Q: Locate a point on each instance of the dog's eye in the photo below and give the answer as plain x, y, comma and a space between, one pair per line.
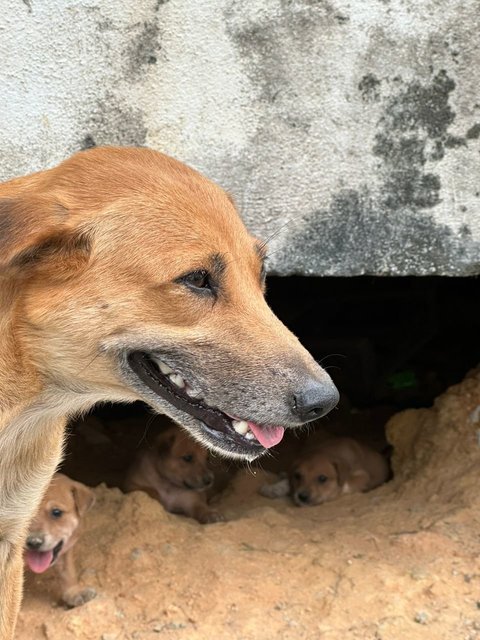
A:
297, 476
188, 458
322, 479
56, 513
199, 279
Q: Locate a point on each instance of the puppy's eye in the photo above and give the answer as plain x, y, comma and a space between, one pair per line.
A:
188, 458
199, 279
322, 479
297, 476
56, 513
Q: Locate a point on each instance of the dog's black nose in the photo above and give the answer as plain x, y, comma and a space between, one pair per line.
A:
303, 496
35, 541
315, 400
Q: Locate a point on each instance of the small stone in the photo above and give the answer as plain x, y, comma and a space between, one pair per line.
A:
421, 617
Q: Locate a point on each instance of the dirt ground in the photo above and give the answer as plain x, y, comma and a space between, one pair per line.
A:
399, 563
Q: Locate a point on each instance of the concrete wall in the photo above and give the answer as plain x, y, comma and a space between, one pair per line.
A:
349, 131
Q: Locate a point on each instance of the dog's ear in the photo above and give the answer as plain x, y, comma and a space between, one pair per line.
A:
32, 241
83, 496
165, 442
343, 471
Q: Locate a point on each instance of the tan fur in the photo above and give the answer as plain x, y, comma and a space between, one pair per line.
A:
91, 253
336, 467
73, 499
175, 471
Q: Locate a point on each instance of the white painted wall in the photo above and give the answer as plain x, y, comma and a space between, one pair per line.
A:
346, 129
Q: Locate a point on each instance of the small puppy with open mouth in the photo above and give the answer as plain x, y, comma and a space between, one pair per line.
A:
335, 467
175, 472
54, 532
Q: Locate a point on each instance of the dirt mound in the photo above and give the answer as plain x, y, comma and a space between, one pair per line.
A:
400, 562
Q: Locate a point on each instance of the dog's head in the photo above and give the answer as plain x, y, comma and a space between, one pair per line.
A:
316, 479
51, 531
182, 460
131, 276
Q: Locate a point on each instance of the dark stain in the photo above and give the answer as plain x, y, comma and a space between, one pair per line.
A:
160, 3
143, 49
28, 4
369, 87
452, 142
114, 123
356, 237
474, 132
341, 19
416, 115
88, 142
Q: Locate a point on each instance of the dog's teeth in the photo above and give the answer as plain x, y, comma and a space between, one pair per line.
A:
240, 426
177, 380
249, 435
164, 368
193, 393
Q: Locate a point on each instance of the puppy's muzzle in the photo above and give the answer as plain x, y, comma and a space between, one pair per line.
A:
35, 541
302, 497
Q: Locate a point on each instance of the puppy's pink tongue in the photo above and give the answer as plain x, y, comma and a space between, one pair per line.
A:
39, 561
267, 436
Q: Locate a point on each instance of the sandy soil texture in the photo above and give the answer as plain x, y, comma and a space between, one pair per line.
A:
399, 563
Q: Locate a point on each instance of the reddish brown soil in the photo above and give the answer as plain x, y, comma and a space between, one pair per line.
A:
399, 563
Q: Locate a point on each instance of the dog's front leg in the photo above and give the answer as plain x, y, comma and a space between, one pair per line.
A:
73, 594
30, 450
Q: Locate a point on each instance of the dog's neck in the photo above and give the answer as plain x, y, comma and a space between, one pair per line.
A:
19, 381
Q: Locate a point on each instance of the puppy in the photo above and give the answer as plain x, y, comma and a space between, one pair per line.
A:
335, 467
126, 275
175, 472
53, 533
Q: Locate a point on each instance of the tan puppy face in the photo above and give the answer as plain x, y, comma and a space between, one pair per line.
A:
51, 531
182, 461
315, 480
136, 279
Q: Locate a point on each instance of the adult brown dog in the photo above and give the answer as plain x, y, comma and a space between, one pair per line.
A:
53, 533
126, 275
175, 471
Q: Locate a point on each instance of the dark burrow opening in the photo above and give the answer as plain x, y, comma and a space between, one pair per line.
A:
388, 343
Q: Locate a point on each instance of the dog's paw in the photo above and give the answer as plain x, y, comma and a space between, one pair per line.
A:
211, 516
77, 597
278, 489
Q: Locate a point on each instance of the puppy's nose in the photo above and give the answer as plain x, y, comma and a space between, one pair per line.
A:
208, 479
315, 400
303, 496
35, 541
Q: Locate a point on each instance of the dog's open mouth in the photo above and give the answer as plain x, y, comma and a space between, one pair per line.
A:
39, 561
170, 385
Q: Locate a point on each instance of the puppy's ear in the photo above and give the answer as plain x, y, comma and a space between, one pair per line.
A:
165, 442
83, 496
33, 240
343, 471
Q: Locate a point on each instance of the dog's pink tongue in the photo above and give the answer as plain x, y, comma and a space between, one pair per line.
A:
267, 436
39, 561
